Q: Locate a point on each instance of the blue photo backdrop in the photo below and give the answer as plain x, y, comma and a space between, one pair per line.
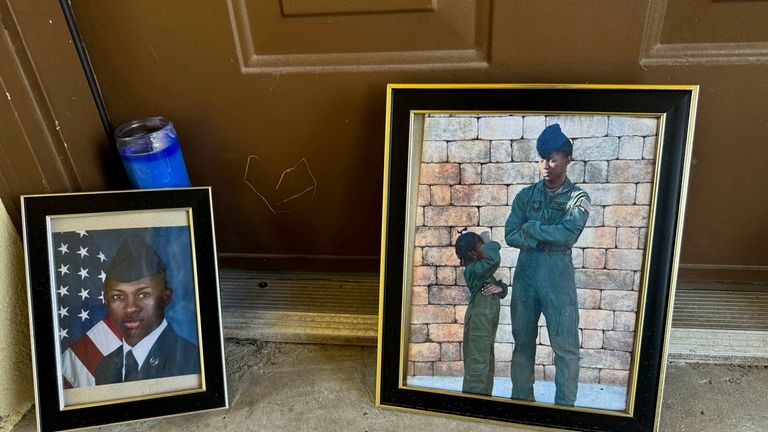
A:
80, 259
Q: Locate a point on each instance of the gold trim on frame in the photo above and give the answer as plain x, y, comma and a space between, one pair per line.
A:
546, 86
413, 182
383, 261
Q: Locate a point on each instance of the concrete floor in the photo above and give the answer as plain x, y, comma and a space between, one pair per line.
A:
290, 387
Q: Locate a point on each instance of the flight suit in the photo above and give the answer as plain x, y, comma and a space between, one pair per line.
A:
544, 225
481, 321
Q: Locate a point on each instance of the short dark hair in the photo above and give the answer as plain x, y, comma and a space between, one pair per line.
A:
466, 244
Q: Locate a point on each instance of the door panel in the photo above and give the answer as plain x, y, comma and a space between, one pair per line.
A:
305, 36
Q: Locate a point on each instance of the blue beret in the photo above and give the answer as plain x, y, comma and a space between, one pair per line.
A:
135, 259
552, 139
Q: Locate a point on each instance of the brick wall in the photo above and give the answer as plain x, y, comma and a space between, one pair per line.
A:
472, 168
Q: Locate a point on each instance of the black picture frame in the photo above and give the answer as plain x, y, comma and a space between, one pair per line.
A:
673, 108
178, 225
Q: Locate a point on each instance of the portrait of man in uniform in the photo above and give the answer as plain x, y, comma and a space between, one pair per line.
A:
530, 238
127, 306
567, 198
118, 291
136, 293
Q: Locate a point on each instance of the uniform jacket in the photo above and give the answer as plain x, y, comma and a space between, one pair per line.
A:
545, 227
171, 355
540, 221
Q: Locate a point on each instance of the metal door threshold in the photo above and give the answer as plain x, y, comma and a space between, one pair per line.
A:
310, 307
723, 323
721, 307
720, 322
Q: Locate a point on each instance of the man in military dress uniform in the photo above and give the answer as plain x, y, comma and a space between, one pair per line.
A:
136, 295
545, 222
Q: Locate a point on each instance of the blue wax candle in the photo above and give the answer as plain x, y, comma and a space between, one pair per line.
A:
151, 155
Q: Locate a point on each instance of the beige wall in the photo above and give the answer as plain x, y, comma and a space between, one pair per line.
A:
15, 363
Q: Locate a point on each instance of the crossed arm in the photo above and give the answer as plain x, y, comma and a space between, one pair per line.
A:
526, 234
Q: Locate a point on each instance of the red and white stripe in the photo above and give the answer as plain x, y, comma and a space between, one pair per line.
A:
80, 360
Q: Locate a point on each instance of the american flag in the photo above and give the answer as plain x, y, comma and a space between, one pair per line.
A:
85, 332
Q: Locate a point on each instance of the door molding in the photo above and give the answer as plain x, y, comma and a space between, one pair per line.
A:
48, 123
654, 52
255, 23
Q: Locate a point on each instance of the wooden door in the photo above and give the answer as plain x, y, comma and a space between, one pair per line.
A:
264, 90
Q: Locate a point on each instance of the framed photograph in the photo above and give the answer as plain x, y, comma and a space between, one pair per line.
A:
531, 236
124, 306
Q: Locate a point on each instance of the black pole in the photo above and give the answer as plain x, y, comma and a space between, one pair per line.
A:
85, 61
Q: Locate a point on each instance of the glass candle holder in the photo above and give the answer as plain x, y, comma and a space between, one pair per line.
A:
151, 154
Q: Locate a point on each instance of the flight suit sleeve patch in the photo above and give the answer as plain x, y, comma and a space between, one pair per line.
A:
585, 205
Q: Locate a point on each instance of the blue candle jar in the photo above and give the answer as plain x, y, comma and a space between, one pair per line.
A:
151, 155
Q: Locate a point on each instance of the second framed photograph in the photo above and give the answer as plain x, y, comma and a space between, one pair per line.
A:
531, 236
124, 306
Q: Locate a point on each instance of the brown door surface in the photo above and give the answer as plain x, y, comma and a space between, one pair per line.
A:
280, 104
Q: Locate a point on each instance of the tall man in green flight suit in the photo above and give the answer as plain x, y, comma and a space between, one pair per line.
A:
545, 222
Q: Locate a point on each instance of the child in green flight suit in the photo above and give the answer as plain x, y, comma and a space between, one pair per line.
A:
481, 259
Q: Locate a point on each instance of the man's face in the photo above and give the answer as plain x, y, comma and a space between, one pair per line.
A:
553, 169
137, 307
